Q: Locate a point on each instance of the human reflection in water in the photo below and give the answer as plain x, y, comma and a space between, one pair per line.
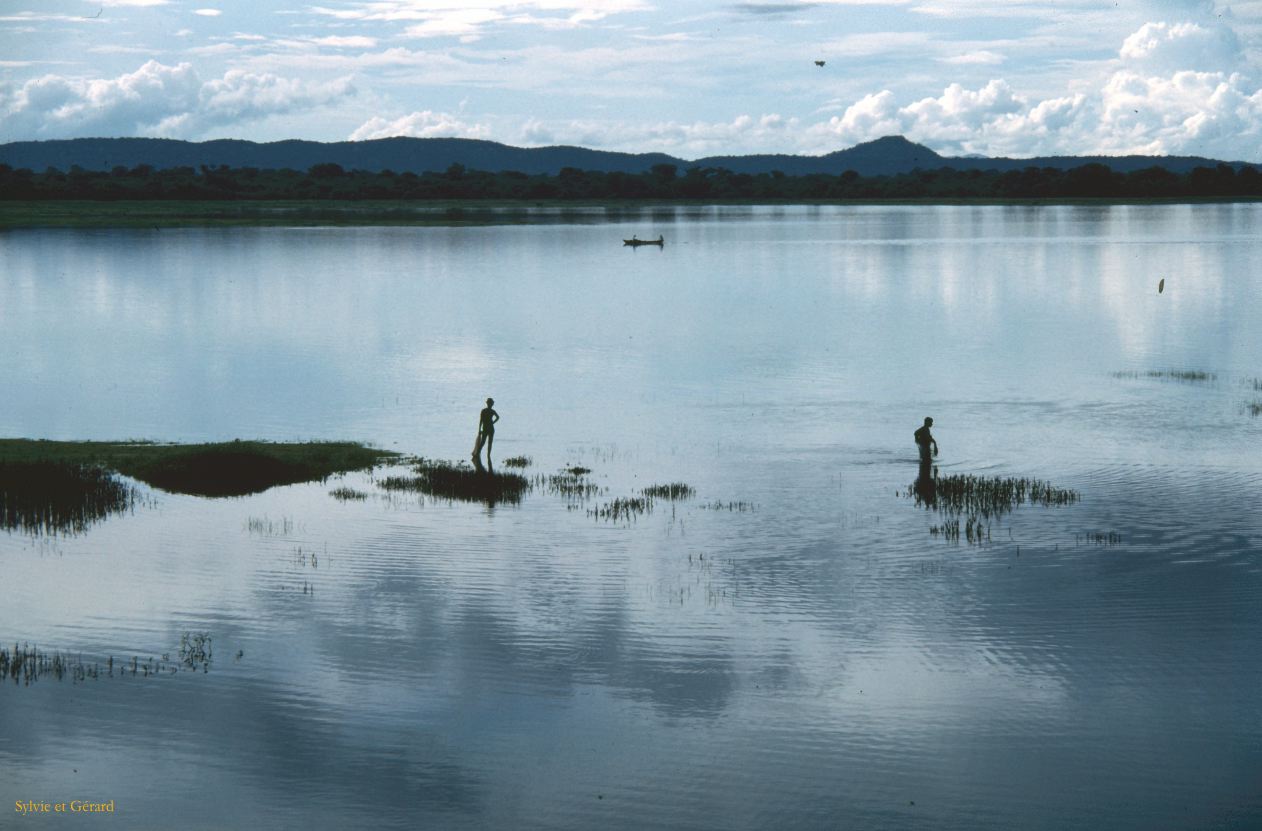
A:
486, 434
926, 484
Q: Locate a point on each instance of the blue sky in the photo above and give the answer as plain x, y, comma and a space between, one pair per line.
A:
995, 77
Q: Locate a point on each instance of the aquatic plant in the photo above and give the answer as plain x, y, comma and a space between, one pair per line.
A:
267, 527
572, 486
347, 494
59, 497
716, 505
623, 508
1190, 375
674, 490
987, 496
459, 481
578, 470
26, 664
1255, 408
518, 461
195, 650
1102, 538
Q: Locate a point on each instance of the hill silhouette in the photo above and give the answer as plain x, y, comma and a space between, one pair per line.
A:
886, 156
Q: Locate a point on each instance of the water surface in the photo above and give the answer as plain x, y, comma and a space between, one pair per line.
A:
789, 648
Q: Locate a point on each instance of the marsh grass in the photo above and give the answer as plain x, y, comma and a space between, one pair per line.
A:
717, 505
623, 509
265, 526
673, 491
1254, 407
575, 487
196, 651
980, 499
518, 461
459, 482
1186, 375
26, 664
990, 497
1100, 538
52, 498
235, 468
348, 494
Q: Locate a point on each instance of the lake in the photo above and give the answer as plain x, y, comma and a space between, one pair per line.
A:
801, 643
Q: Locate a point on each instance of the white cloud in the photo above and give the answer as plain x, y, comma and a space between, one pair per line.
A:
1172, 91
454, 22
982, 57
423, 124
346, 42
112, 3
1161, 48
469, 20
156, 99
208, 12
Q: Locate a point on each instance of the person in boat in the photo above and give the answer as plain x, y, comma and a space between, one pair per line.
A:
486, 432
925, 439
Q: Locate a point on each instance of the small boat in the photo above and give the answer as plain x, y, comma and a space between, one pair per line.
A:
634, 241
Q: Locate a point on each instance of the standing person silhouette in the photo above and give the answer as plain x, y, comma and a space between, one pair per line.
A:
486, 433
924, 439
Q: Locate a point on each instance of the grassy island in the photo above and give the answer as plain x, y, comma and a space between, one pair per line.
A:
235, 468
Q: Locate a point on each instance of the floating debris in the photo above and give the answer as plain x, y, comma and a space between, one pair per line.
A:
1161, 285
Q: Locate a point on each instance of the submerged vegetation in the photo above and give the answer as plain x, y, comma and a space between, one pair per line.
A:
348, 494
26, 664
628, 508
980, 499
59, 497
518, 461
459, 481
571, 483
672, 491
235, 468
1190, 375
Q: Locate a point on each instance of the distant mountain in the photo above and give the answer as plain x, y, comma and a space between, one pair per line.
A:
884, 156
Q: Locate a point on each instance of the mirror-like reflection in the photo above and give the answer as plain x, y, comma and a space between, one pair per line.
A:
710, 597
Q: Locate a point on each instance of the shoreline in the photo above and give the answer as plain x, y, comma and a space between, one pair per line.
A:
133, 214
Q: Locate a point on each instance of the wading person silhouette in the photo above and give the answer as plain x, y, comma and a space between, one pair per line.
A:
486, 433
924, 439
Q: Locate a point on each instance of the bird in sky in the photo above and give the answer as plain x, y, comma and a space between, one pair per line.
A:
819, 63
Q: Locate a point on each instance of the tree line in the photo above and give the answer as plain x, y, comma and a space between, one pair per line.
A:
662, 182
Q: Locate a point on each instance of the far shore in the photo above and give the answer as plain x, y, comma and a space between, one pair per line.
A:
449, 213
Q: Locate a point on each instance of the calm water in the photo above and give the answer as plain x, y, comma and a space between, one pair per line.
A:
813, 657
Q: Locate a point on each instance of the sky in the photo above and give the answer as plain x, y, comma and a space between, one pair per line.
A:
1013, 78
